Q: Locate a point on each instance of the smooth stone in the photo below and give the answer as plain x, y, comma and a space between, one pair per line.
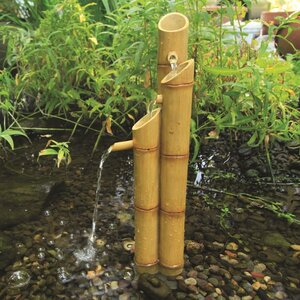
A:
214, 269
214, 281
232, 246
280, 295
275, 239
190, 281
192, 273
247, 297
181, 295
153, 287
193, 247
259, 268
23, 199
196, 260
262, 294
247, 287
125, 296
205, 286
114, 285
216, 246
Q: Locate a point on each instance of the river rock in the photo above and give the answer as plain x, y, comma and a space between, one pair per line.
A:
22, 199
153, 287
275, 239
7, 251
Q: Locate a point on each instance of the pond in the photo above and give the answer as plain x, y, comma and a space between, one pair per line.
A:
236, 247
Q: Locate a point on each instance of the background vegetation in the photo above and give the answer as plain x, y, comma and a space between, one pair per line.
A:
94, 66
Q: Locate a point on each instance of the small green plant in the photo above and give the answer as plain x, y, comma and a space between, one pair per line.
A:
58, 149
7, 135
224, 217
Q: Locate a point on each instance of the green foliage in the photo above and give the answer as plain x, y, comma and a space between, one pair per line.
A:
76, 68
104, 72
58, 149
8, 134
26, 13
240, 87
224, 217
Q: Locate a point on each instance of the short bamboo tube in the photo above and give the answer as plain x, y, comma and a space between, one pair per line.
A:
175, 136
146, 140
173, 37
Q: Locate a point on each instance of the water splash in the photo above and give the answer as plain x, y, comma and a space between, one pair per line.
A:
88, 253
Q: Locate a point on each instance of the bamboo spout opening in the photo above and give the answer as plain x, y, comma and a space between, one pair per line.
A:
121, 146
146, 120
146, 131
173, 22
178, 72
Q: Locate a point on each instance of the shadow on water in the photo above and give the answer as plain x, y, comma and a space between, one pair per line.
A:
235, 246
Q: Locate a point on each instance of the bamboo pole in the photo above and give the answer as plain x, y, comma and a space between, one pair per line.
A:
173, 38
145, 143
171, 243
175, 135
146, 140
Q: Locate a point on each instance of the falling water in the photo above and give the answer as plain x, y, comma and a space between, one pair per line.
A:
151, 107
173, 66
88, 252
173, 62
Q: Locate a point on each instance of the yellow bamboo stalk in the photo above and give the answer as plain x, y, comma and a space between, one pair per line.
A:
146, 140
121, 146
173, 37
146, 240
171, 244
173, 182
175, 136
177, 88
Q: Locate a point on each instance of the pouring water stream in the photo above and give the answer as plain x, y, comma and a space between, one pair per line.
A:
88, 252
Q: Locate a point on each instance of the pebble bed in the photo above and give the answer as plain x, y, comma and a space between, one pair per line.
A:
244, 254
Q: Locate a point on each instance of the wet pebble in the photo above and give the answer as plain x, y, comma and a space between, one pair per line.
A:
190, 281
281, 295
232, 246
192, 273
214, 281
193, 247
205, 286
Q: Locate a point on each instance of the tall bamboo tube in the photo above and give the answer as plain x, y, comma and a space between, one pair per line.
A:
173, 37
146, 140
175, 135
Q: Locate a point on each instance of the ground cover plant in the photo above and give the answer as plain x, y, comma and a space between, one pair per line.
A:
95, 63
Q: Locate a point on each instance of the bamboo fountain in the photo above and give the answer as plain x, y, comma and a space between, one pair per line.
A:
161, 152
